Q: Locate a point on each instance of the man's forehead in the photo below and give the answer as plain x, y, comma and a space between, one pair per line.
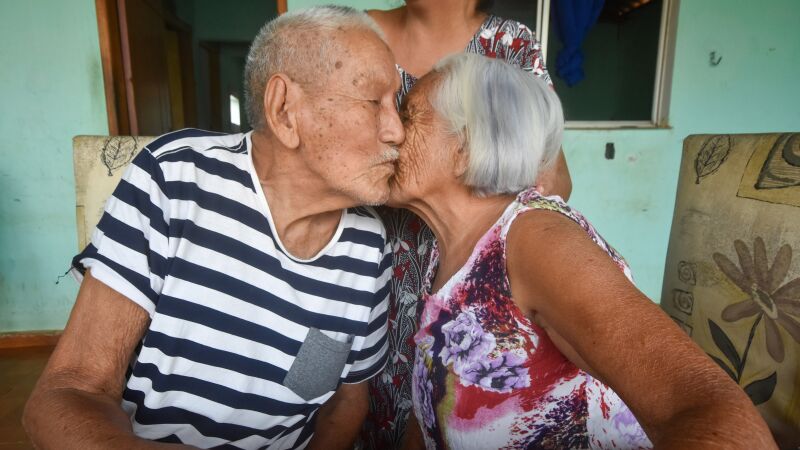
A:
378, 75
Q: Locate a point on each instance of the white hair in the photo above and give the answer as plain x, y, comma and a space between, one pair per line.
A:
509, 121
299, 45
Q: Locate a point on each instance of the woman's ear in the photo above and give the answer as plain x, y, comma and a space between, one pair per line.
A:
460, 161
280, 103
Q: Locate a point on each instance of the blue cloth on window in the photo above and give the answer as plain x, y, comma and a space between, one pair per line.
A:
573, 19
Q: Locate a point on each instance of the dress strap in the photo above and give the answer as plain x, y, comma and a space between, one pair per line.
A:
530, 199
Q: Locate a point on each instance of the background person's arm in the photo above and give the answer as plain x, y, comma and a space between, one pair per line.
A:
76, 403
339, 419
413, 440
680, 397
556, 180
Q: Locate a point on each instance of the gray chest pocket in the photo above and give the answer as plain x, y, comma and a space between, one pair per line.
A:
318, 365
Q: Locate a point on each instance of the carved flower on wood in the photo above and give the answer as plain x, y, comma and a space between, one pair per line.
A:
768, 296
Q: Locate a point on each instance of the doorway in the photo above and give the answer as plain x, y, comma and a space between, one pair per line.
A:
172, 64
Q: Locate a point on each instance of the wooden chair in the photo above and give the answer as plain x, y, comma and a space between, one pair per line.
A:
732, 275
99, 162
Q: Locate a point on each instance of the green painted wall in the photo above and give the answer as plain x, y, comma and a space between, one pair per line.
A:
754, 89
51, 83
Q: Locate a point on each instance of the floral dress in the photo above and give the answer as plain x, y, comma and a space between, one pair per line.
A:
390, 392
487, 377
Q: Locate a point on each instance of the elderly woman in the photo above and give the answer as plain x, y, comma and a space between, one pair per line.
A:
530, 318
420, 33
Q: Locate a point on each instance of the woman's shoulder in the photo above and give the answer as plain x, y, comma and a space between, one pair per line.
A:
496, 25
559, 215
512, 41
531, 199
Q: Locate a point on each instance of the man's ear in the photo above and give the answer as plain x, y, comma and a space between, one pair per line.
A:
280, 102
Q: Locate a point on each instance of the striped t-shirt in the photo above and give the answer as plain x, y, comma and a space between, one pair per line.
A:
245, 341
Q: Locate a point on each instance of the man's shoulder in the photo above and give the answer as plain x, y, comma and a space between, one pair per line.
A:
194, 140
365, 227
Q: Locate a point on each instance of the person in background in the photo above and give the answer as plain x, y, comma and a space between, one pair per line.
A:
532, 335
420, 33
234, 293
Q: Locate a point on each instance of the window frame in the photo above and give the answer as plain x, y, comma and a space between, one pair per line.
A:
659, 116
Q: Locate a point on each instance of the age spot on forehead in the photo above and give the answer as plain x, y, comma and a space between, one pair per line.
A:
359, 78
338, 64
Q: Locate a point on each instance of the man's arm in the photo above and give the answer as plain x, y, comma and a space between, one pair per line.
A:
339, 419
76, 403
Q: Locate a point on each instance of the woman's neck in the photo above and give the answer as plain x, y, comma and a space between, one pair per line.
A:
422, 32
459, 219
442, 16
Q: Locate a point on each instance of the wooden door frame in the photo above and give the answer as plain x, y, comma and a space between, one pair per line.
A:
282, 6
117, 82
111, 56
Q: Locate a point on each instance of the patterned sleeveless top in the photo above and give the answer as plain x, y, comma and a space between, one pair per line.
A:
390, 392
487, 377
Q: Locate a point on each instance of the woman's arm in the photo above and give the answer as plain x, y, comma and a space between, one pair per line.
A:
680, 397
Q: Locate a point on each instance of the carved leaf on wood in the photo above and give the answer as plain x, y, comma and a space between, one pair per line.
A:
712, 154
117, 152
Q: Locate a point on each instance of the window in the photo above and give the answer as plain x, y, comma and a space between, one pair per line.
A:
234, 105
626, 60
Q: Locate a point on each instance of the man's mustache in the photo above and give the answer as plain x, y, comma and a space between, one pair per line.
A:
389, 155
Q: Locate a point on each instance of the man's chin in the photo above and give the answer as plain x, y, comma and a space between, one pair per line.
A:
376, 196
379, 194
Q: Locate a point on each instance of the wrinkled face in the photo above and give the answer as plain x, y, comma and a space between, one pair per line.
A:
349, 126
428, 154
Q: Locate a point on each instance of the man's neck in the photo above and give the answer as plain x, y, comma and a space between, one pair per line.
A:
305, 212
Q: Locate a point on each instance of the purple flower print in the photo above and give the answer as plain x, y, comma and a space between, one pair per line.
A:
423, 389
468, 347
629, 430
464, 340
501, 374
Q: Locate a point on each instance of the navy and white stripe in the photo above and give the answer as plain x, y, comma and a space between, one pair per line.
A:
189, 237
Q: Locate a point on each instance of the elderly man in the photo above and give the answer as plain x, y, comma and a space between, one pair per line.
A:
233, 293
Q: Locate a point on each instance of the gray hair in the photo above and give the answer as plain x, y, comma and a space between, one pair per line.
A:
297, 44
508, 120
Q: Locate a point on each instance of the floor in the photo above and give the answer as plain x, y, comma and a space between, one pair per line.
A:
19, 370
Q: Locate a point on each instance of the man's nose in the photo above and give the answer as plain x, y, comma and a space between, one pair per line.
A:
392, 131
